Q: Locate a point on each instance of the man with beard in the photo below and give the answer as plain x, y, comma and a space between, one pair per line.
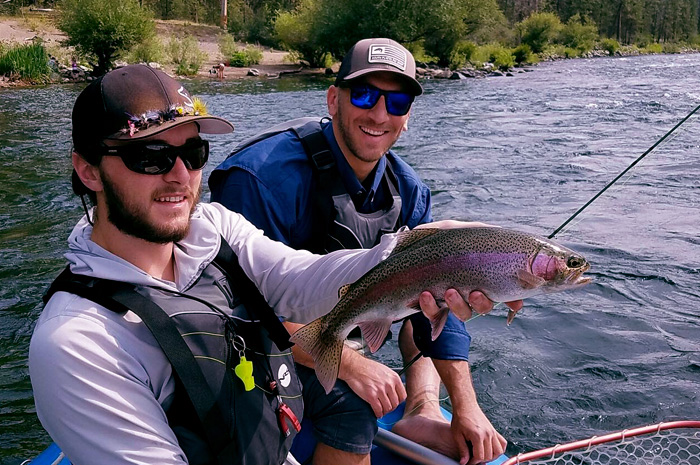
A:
336, 184
156, 345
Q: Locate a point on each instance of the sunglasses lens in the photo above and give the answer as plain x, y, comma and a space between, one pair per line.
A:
159, 158
364, 97
398, 103
195, 154
150, 159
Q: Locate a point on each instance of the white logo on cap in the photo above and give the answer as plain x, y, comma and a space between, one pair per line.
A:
388, 54
183, 93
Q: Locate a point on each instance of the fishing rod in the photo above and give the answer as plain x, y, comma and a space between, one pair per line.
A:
617, 178
586, 205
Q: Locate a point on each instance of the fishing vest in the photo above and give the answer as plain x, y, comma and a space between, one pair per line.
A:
337, 223
216, 330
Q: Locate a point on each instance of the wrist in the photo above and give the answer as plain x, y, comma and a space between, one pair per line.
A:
350, 362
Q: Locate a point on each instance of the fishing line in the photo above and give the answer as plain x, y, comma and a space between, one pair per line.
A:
586, 205
389, 425
408, 365
632, 165
608, 186
624, 181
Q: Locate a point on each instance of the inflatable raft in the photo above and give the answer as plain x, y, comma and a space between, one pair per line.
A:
388, 449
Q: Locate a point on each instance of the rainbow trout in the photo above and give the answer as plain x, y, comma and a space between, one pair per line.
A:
505, 265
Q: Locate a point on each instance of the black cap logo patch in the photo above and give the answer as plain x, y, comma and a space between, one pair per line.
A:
387, 54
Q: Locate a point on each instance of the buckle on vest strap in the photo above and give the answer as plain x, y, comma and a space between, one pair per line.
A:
323, 160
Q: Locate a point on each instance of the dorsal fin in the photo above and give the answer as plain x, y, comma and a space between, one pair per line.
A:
408, 238
343, 290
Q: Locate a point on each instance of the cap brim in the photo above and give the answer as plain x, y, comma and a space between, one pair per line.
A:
416, 88
207, 125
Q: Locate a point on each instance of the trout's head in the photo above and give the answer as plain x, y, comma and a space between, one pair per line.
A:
560, 267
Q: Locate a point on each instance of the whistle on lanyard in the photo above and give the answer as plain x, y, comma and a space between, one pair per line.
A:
244, 369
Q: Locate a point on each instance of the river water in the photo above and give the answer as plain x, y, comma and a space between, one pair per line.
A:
523, 152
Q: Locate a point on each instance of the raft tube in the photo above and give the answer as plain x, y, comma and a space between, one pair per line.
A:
388, 448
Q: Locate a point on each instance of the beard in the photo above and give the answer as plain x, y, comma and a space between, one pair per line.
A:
359, 150
133, 219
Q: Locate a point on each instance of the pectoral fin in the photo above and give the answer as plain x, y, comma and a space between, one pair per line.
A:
374, 332
528, 280
511, 317
437, 320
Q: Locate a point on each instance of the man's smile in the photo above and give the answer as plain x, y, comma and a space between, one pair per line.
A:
372, 132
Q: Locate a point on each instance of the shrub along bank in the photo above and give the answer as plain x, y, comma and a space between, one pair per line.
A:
472, 36
29, 63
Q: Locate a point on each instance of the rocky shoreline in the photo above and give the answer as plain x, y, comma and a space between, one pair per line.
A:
272, 66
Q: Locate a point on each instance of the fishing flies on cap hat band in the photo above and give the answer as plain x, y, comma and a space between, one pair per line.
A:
135, 102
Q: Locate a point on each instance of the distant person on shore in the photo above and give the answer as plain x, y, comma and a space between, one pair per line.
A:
53, 63
325, 185
156, 345
220, 70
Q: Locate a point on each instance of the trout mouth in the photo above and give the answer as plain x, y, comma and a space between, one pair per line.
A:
576, 278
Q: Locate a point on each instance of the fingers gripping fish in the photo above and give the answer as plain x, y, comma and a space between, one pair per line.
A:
505, 265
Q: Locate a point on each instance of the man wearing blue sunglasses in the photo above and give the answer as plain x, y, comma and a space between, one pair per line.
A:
160, 342
329, 185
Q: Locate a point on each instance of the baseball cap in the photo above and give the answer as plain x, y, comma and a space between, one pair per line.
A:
134, 102
379, 54
131, 103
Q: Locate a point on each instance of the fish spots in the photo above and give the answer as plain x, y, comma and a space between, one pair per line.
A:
505, 265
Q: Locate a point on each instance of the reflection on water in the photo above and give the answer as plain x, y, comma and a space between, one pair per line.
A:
523, 152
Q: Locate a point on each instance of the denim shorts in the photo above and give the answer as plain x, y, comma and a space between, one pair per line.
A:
340, 419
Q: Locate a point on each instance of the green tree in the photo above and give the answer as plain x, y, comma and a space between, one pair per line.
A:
477, 20
319, 26
296, 30
579, 33
101, 30
539, 30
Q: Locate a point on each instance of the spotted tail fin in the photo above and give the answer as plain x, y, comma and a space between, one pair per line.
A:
326, 350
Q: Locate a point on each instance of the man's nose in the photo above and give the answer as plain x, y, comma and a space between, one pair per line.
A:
179, 172
378, 111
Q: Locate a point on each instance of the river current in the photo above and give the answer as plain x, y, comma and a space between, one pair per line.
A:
523, 152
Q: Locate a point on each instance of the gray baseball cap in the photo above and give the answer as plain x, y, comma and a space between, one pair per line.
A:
374, 55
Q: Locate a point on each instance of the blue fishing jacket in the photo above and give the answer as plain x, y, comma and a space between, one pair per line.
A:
272, 183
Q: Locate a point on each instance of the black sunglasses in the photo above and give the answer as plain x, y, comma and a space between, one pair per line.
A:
366, 96
159, 157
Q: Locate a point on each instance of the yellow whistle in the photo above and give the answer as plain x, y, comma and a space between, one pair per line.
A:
244, 370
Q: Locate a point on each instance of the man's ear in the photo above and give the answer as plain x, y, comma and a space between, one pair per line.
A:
332, 100
88, 174
405, 123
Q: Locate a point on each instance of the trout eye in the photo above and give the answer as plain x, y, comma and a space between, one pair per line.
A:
575, 262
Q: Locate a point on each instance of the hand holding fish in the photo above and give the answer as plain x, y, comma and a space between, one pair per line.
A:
463, 309
504, 265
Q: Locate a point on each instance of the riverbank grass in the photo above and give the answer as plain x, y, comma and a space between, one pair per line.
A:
27, 62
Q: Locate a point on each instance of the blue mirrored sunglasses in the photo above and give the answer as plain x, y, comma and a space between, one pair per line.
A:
366, 96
